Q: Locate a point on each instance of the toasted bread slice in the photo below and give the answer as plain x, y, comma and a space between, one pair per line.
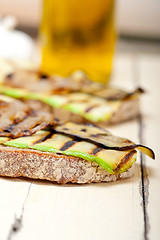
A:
75, 98
70, 153
17, 162
82, 107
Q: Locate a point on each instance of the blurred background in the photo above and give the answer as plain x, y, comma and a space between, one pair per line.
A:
133, 18
137, 22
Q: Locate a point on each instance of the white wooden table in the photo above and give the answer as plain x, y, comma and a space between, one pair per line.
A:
125, 210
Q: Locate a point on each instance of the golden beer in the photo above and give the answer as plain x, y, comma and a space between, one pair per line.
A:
78, 35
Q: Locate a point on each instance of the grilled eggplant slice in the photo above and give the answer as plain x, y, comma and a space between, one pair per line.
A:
101, 137
114, 94
38, 82
18, 119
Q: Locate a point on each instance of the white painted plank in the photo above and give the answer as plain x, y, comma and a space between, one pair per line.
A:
149, 68
123, 75
12, 196
81, 212
93, 211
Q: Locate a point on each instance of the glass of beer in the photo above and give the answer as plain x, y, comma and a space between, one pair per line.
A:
78, 36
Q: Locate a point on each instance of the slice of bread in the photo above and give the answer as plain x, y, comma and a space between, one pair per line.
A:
80, 99
16, 162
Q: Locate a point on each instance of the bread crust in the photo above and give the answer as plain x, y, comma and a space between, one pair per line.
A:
16, 162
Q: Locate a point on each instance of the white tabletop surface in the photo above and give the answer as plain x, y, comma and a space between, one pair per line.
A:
124, 210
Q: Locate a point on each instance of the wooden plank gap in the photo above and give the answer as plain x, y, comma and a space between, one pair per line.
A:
17, 224
144, 184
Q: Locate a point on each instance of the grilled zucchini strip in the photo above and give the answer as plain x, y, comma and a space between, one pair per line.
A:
112, 161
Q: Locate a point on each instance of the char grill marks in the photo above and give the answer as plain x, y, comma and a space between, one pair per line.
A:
18, 119
66, 143
96, 150
100, 137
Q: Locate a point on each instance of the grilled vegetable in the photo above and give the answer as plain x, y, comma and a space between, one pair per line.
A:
101, 137
117, 94
90, 107
18, 119
112, 153
13, 92
112, 161
96, 105
39, 82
